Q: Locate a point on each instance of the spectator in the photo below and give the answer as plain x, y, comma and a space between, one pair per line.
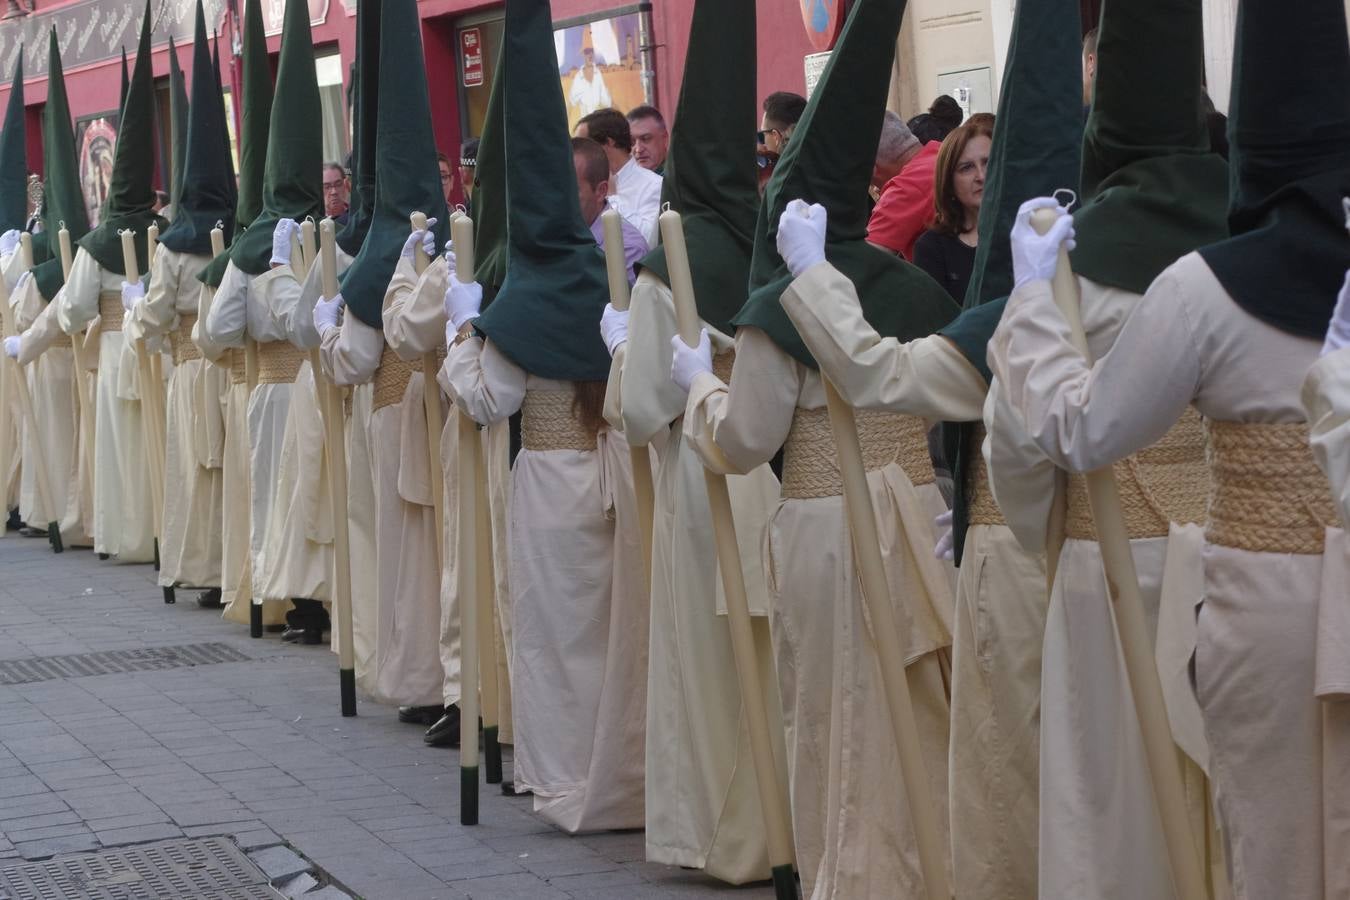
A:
161, 201
925, 128
447, 178
468, 167
651, 140
1089, 67
895, 148
947, 250
336, 192
905, 207
634, 191
782, 111
947, 114
592, 165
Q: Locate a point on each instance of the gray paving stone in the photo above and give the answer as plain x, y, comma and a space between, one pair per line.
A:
279, 863
52, 846
138, 834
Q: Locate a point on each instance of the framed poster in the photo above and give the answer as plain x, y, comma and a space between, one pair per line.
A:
95, 143
601, 64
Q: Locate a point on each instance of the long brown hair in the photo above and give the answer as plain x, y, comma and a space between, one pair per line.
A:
588, 404
950, 215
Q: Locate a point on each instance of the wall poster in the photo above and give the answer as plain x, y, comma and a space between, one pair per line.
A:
95, 142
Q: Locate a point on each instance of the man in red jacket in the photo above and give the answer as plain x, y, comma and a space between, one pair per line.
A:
905, 207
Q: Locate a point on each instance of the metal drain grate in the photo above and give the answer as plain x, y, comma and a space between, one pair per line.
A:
206, 869
108, 662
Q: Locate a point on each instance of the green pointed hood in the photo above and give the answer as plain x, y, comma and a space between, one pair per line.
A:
62, 199
829, 161
489, 195
13, 158
255, 119
1151, 189
365, 93
131, 193
126, 84
407, 178
1290, 151
710, 175
178, 119
546, 318
208, 193
1038, 136
293, 177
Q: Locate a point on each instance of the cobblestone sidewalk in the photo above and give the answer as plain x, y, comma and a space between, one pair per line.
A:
182, 745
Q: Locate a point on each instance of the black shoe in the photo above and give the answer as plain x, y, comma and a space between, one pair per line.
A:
30, 531
420, 715
274, 629
509, 790
313, 635
14, 523
291, 635
210, 599
445, 733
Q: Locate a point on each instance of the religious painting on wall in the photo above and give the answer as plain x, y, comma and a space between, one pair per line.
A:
601, 65
95, 142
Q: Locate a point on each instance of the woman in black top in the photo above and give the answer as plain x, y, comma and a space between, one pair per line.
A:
947, 250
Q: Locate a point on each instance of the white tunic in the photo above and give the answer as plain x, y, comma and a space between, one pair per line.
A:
190, 545
1278, 754
1000, 593
851, 826
123, 519
579, 610
703, 806
11, 418
1326, 398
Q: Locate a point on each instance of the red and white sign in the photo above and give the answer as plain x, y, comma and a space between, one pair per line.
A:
471, 55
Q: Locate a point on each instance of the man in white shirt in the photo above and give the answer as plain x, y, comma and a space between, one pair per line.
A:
634, 191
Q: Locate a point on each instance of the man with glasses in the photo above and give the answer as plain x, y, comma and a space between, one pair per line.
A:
782, 110
336, 192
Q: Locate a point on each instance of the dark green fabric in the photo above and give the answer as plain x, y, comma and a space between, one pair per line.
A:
407, 179
1038, 137
711, 179
63, 201
293, 178
1289, 134
364, 97
829, 161
178, 119
131, 193
489, 192
126, 83
208, 194
1151, 189
546, 318
14, 159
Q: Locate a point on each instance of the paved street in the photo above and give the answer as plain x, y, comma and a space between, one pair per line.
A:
254, 749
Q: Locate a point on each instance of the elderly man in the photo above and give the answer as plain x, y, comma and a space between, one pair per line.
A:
905, 207
592, 167
634, 191
337, 191
651, 138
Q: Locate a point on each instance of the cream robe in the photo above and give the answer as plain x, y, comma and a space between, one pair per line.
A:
407, 577
190, 547
262, 307
702, 800
1099, 827
414, 324
579, 608
851, 826
1278, 754
52, 385
11, 423
1326, 399
1000, 594
123, 523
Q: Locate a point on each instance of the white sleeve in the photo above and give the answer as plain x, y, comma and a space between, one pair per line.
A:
483, 382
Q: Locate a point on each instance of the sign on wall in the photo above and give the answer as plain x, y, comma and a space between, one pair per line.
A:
274, 12
471, 56
96, 142
600, 64
824, 19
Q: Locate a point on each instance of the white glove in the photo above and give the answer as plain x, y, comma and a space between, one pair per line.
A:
281, 241
946, 545
614, 327
8, 241
688, 361
463, 301
326, 313
131, 292
1338, 332
450, 259
1035, 256
421, 236
12, 345
801, 236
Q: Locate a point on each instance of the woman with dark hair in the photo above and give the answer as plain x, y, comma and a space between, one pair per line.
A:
947, 250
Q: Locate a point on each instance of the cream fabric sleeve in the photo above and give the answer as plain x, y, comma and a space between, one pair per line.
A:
227, 321
11, 267
1086, 417
351, 352
414, 309
212, 351
77, 302
27, 304
41, 335
297, 313
1021, 477
735, 428
156, 311
927, 377
482, 381
651, 400
1326, 397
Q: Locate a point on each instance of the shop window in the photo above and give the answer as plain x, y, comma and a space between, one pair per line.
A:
333, 106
